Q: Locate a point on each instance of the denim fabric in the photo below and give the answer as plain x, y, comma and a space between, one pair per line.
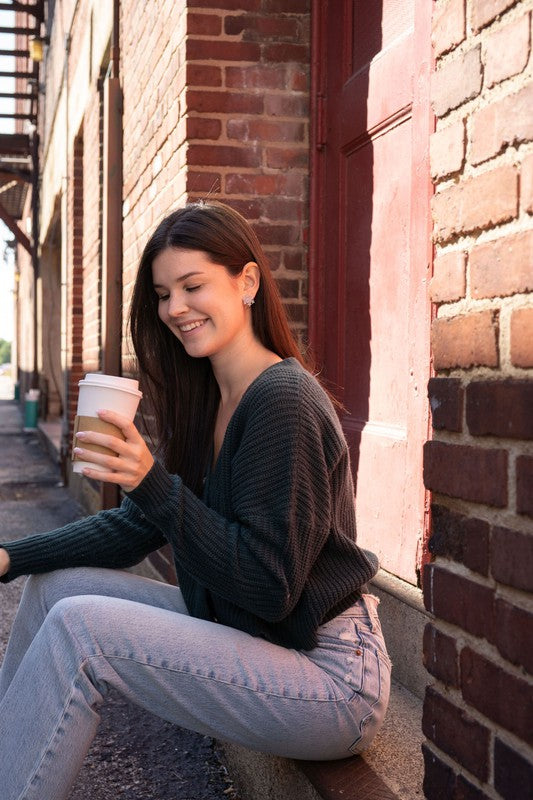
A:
80, 631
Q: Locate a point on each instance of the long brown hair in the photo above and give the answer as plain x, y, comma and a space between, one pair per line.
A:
182, 390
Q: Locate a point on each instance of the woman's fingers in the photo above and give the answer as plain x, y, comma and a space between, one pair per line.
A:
123, 423
102, 440
132, 461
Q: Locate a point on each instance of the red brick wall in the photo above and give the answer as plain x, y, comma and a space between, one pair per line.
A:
92, 234
222, 112
75, 280
479, 465
248, 126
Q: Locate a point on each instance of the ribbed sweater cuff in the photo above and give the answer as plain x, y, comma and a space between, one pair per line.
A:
22, 557
152, 495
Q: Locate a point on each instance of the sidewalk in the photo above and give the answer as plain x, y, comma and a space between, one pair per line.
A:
135, 755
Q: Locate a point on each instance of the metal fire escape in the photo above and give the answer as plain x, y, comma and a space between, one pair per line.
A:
19, 151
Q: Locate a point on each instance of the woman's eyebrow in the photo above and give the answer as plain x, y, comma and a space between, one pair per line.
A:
179, 280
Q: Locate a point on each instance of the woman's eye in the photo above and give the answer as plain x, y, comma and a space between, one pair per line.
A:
192, 288
162, 297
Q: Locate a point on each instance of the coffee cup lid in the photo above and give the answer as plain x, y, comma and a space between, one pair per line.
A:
111, 382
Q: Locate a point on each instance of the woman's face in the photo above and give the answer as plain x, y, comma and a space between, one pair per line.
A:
201, 303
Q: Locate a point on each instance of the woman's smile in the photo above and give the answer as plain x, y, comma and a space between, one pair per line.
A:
187, 327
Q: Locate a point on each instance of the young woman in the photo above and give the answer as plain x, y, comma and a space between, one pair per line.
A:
270, 640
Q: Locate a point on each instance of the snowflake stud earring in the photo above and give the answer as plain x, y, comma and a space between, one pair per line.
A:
248, 300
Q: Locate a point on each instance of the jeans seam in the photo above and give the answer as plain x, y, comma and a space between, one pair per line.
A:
53, 735
263, 692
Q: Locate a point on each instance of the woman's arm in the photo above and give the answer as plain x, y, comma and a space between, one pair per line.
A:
117, 538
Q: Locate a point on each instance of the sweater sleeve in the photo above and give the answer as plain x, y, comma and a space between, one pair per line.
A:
273, 494
117, 538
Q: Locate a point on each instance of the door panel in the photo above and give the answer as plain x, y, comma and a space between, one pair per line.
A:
369, 272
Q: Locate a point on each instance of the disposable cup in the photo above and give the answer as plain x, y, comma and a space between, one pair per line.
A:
97, 392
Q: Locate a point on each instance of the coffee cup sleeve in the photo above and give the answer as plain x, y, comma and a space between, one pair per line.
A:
82, 423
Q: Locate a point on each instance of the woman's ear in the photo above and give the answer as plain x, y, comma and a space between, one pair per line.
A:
251, 278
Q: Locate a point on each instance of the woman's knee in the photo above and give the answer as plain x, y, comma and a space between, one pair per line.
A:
48, 588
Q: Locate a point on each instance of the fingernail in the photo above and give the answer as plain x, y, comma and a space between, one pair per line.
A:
81, 435
77, 450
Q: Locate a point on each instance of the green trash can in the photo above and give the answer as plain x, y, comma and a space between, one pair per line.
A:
31, 409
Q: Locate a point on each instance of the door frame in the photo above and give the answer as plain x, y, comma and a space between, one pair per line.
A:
421, 223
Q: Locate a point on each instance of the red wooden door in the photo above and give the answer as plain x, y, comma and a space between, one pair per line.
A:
371, 255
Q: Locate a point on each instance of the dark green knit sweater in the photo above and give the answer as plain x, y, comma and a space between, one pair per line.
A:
270, 548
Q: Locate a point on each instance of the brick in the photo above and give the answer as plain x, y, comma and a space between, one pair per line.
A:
506, 51
223, 102
226, 5
462, 602
203, 75
295, 260
262, 28
286, 6
447, 150
277, 234
449, 277
500, 408
522, 337
202, 128
481, 202
296, 312
439, 778
286, 158
484, 11
467, 791
465, 341
251, 208
458, 80
221, 156
265, 130
256, 76
273, 184
526, 184
204, 24
513, 773
440, 655
456, 733
287, 105
212, 50
464, 539
502, 267
500, 696
505, 122
284, 209
470, 473
289, 287
285, 52
524, 485
448, 25
204, 182
446, 401
513, 633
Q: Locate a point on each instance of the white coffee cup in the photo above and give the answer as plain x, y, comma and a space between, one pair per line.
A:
97, 392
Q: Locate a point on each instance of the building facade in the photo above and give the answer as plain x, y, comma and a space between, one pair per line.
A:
384, 154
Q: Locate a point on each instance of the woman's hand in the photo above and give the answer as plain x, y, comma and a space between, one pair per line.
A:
5, 561
132, 462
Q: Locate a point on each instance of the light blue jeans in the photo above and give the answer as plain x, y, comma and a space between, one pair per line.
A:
80, 631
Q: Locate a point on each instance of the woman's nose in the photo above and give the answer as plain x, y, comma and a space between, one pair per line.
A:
177, 305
